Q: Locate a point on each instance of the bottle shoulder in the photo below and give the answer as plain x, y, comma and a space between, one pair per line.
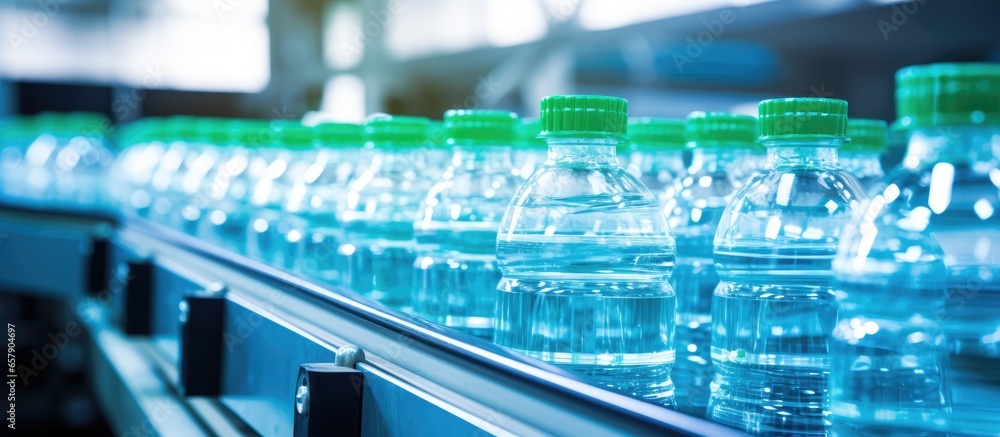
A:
466, 198
797, 207
598, 185
599, 202
924, 219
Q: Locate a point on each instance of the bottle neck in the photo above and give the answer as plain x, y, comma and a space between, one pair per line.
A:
954, 144
799, 153
488, 159
391, 158
657, 159
711, 159
588, 151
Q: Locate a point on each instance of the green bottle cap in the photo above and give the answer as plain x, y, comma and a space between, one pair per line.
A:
87, 123
250, 132
479, 127
47, 122
17, 127
143, 130
802, 118
948, 94
866, 136
528, 130
584, 117
392, 131
184, 128
436, 133
292, 134
340, 134
648, 133
721, 129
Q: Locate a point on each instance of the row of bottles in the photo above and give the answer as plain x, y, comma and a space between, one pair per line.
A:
759, 271
56, 158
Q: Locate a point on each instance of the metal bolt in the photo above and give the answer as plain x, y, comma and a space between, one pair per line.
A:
214, 289
302, 396
185, 309
349, 356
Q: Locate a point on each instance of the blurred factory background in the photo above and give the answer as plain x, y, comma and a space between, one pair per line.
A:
346, 59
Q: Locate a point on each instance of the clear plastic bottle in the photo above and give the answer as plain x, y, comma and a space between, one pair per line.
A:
774, 309
182, 147
66, 160
82, 159
862, 155
226, 216
531, 152
145, 145
455, 273
586, 258
29, 176
655, 153
693, 212
16, 134
917, 345
315, 200
209, 142
435, 157
270, 233
133, 139
749, 159
377, 253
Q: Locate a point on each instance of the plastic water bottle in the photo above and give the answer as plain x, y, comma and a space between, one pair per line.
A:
271, 236
203, 186
226, 215
134, 139
65, 160
531, 152
208, 141
693, 212
774, 309
16, 134
19, 134
145, 143
749, 159
81, 160
455, 273
377, 253
862, 155
918, 341
181, 148
586, 258
655, 152
435, 157
315, 200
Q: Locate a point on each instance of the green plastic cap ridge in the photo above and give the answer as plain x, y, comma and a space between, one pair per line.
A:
479, 127
584, 117
332, 134
293, 134
948, 94
802, 118
649, 133
382, 130
866, 136
721, 129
